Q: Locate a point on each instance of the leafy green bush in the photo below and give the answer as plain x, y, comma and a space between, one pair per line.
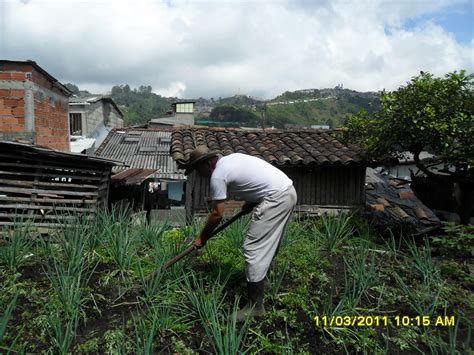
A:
458, 240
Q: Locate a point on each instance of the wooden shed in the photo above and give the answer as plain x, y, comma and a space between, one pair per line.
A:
45, 187
149, 173
326, 173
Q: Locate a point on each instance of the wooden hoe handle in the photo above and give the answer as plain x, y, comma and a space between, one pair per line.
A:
192, 247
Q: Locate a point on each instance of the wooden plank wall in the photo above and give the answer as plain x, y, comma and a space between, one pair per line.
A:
329, 186
47, 191
319, 186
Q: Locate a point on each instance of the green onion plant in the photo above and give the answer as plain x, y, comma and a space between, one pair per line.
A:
6, 308
360, 274
276, 275
332, 231
17, 244
62, 332
423, 262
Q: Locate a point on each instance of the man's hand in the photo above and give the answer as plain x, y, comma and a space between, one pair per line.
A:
199, 242
212, 222
248, 207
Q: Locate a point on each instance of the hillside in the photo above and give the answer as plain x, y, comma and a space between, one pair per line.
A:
140, 105
302, 107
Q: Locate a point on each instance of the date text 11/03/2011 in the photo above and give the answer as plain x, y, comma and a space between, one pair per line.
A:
384, 321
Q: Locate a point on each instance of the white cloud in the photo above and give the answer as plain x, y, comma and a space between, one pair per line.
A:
210, 48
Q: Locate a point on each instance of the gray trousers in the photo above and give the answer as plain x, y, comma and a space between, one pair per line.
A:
269, 223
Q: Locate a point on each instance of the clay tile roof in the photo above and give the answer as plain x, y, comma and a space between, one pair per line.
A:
295, 148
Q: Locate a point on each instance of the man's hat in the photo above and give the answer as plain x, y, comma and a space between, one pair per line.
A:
198, 155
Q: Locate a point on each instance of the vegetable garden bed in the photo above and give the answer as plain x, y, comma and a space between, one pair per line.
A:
84, 290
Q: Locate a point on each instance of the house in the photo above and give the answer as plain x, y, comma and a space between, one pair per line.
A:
90, 120
150, 180
182, 113
406, 167
327, 174
44, 187
33, 105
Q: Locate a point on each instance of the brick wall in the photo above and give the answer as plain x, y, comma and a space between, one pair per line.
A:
12, 103
12, 108
32, 108
51, 121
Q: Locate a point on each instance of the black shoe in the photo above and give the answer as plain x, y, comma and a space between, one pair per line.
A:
254, 306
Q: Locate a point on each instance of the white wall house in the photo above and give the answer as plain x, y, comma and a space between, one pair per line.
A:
90, 120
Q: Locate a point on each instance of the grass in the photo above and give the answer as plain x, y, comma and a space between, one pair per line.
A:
86, 290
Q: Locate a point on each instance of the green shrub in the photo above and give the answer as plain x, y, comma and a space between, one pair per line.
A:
458, 240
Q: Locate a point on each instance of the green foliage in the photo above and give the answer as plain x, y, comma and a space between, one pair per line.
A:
73, 88
360, 276
220, 326
332, 231
120, 239
153, 284
139, 105
231, 114
62, 332
457, 240
152, 234
318, 107
67, 287
423, 262
70, 304
16, 246
115, 341
424, 298
276, 275
6, 309
428, 114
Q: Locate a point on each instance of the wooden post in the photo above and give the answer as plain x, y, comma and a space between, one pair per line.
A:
189, 203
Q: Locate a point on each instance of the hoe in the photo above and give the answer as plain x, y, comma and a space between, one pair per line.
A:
192, 248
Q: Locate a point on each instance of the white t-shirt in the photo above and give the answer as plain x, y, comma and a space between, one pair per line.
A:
247, 178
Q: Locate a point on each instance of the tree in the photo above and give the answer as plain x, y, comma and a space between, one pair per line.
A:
73, 88
428, 114
139, 105
231, 114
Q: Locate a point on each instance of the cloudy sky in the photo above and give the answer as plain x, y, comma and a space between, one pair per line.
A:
192, 49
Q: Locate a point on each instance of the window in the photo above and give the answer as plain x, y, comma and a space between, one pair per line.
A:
75, 124
184, 108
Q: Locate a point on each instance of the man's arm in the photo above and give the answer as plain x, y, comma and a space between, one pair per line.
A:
212, 222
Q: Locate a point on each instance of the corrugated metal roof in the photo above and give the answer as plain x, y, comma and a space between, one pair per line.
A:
77, 146
132, 176
70, 158
124, 144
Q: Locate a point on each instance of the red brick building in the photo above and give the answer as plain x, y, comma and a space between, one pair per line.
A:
34, 106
